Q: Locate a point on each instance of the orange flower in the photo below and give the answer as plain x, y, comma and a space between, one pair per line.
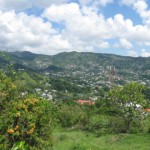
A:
10, 131
16, 127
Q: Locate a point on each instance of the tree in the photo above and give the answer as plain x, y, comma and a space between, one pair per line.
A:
23, 123
128, 102
147, 94
29, 121
7, 90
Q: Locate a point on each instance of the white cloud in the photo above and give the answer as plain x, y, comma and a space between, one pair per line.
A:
84, 2
15, 4
100, 3
147, 43
103, 44
145, 53
62, 12
25, 4
141, 7
22, 32
127, 2
125, 29
132, 53
139, 34
96, 2
119, 27
83, 28
47, 3
125, 44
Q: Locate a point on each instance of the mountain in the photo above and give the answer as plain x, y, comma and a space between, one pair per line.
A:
94, 69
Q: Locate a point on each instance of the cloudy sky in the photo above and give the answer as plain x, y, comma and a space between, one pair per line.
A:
52, 26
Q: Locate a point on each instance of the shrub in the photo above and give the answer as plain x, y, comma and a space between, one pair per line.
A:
7, 91
117, 125
28, 121
70, 116
99, 124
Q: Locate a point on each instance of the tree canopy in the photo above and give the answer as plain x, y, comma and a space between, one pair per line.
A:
128, 102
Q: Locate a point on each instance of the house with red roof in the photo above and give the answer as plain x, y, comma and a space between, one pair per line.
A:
88, 102
147, 110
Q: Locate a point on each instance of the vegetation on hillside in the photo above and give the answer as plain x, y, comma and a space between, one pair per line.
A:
31, 120
28, 122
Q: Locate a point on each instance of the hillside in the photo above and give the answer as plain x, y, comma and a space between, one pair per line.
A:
40, 98
76, 64
86, 67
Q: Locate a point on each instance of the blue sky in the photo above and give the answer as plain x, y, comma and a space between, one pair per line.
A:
53, 26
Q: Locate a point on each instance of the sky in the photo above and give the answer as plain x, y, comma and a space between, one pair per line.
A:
49, 27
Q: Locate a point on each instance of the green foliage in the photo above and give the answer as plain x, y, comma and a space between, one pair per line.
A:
146, 92
20, 146
61, 84
105, 124
25, 82
24, 124
82, 140
7, 90
72, 115
28, 123
125, 101
28, 120
99, 124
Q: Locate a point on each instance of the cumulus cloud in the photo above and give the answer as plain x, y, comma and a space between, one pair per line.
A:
19, 5
80, 28
15, 4
22, 32
120, 27
125, 44
100, 3
124, 28
83, 27
47, 3
127, 2
24, 4
145, 53
95, 2
62, 12
141, 7
132, 53
103, 44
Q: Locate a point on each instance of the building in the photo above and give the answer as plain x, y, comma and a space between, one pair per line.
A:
88, 102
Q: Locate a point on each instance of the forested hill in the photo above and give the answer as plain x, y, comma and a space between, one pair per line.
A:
81, 58
84, 65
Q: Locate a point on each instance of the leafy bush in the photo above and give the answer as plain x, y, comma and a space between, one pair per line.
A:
7, 90
117, 125
99, 124
28, 120
72, 115
125, 101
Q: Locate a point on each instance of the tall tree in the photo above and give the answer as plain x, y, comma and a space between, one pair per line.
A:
128, 102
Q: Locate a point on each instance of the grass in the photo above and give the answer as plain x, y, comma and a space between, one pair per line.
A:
78, 140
